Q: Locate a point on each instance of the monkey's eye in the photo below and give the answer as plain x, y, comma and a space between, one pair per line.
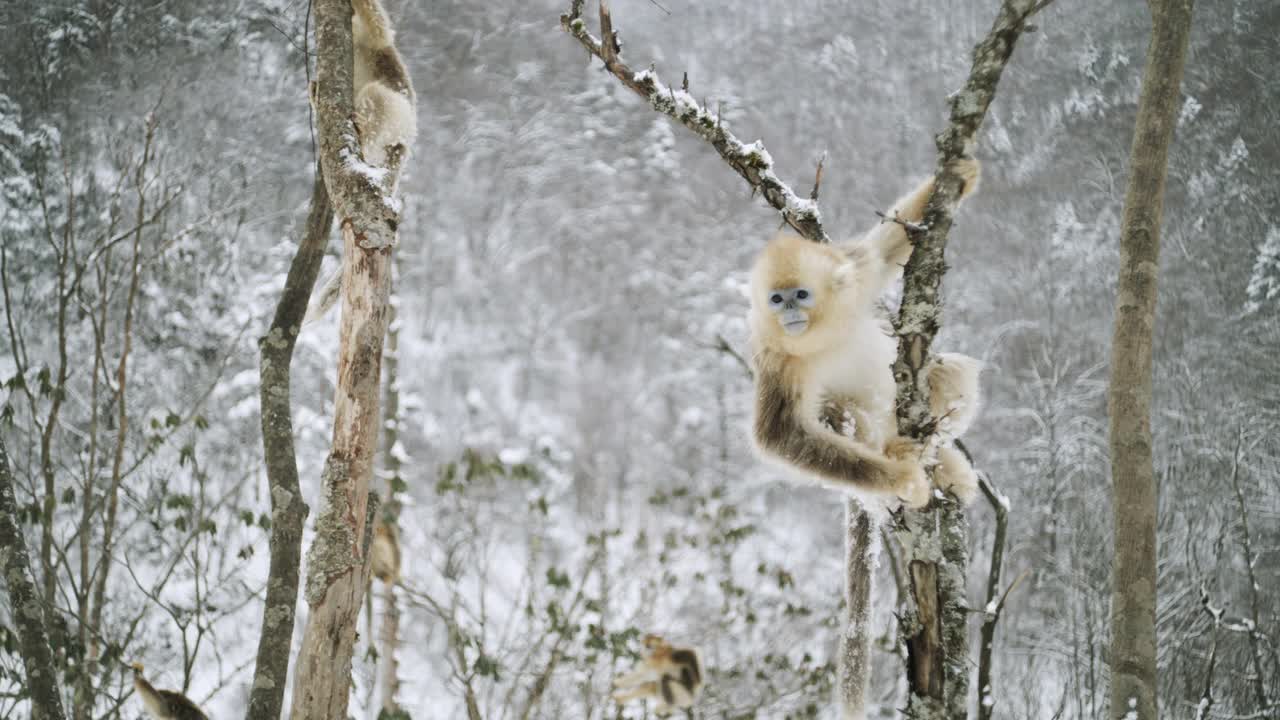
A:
802, 294
775, 299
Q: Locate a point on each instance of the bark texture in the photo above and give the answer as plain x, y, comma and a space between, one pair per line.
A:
1133, 599
338, 560
288, 511
27, 607
935, 538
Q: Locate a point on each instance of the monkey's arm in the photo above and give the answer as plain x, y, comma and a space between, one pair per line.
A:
888, 245
782, 430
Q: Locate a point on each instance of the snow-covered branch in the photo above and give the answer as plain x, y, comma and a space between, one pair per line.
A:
750, 160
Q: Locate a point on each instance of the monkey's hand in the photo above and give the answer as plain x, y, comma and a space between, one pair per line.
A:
911, 483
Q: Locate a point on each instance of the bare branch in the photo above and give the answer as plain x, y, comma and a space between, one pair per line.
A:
817, 177
722, 344
288, 510
1000, 505
897, 220
750, 160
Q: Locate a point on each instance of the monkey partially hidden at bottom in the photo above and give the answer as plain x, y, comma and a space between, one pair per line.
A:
671, 675
821, 351
164, 704
386, 119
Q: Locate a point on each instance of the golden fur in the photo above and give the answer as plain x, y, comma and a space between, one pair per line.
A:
386, 554
164, 704
384, 96
838, 366
386, 118
672, 676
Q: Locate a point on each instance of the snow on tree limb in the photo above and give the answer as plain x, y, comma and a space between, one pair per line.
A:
750, 160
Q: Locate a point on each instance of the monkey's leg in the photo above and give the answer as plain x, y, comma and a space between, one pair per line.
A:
634, 677
675, 693
385, 120
643, 690
953, 391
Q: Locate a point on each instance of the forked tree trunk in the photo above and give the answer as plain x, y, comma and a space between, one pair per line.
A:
1133, 599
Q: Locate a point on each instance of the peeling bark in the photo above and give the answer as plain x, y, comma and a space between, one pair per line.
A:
27, 607
1133, 599
338, 561
288, 511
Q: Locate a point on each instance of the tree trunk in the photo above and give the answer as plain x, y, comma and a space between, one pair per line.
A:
936, 621
1133, 603
389, 635
27, 608
288, 511
338, 560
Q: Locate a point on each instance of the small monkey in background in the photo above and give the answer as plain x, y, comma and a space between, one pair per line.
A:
386, 118
672, 675
821, 351
386, 554
164, 704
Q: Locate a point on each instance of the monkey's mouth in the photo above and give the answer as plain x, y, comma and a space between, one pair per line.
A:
795, 327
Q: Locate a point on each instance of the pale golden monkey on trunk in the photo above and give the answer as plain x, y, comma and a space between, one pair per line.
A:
822, 350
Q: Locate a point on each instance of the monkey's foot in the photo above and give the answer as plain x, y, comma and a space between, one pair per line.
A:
955, 475
953, 392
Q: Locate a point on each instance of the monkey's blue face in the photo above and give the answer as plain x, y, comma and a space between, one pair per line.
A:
792, 307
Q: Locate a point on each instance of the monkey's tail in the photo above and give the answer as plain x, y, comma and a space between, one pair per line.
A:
377, 30
324, 300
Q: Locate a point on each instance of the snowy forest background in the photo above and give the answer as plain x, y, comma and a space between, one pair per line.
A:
573, 435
